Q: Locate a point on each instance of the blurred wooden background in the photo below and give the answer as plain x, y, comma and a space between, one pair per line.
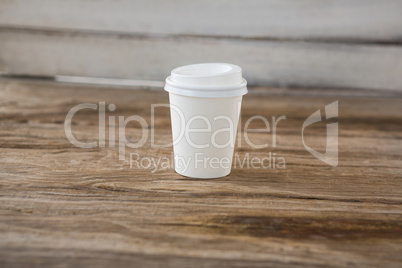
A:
353, 44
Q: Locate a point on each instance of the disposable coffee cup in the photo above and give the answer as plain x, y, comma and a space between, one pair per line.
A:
205, 101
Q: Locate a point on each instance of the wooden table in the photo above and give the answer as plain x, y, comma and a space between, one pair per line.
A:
65, 206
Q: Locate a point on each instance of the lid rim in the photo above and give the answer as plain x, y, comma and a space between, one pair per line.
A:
205, 88
206, 94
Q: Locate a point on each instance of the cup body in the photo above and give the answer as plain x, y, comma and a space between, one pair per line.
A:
205, 101
204, 134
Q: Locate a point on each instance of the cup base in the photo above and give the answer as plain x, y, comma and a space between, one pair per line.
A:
203, 176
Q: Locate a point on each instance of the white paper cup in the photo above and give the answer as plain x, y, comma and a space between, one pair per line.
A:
205, 101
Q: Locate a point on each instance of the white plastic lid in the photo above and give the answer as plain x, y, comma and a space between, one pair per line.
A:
207, 80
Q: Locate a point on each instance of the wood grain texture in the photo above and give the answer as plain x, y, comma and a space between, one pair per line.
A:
359, 20
277, 63
64, 206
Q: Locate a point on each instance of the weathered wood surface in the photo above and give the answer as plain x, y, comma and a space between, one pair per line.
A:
265, 62
64, 206
338, 20
326, 43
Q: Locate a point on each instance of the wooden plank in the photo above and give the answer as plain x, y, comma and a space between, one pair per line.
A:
65, 206
372, 21
308, 64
